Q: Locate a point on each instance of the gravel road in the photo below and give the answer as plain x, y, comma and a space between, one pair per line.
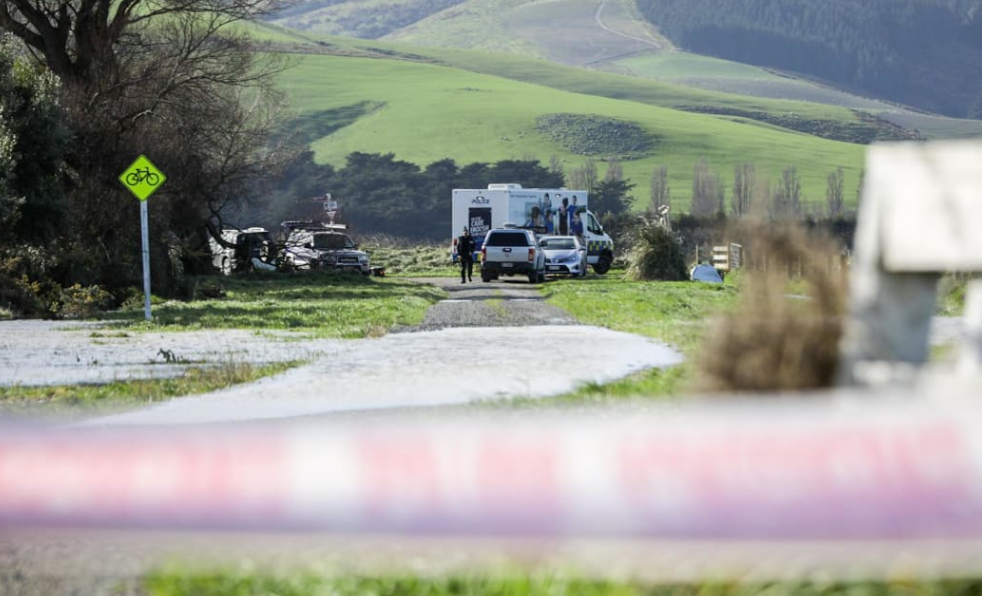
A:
502, 303
485, 341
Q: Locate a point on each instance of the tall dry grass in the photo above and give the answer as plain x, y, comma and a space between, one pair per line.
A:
784, 332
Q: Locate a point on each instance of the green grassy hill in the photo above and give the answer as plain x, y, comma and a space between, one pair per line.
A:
423, 112
617, 39
369, 19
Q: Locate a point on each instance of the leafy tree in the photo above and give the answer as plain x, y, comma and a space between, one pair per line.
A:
926, 53
169, 79
612, 197
529, 172
33, 140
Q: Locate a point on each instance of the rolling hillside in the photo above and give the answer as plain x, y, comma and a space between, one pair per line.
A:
369, 19
423, 112
924, 53
611, 35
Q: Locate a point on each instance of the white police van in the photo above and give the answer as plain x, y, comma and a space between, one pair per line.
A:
546, 211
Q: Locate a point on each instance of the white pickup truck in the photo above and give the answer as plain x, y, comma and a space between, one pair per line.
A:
512, 251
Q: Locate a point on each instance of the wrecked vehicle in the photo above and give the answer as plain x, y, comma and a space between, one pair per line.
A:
323, 246
252, 248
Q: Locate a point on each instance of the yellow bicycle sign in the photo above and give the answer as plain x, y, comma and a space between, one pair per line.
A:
142, 178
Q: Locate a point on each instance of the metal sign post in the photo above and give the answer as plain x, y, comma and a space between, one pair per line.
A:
145, 236
142, 178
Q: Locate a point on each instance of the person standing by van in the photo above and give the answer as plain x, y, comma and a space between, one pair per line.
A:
564, 217
465, 250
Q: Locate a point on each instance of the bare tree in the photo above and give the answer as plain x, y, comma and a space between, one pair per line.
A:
833, 192
585, 176
708, 193
168, 78
744, 181
615, 172
860, 189
556, 165
88, 42
660, 191
786, 201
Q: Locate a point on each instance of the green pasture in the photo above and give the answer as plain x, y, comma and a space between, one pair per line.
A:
429, 112
677, 313
676, 65
479, 25
581, 80
322, 304
568, 78
667, 79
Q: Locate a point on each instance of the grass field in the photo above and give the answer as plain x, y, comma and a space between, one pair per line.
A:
472, 117
677, 313
322, 304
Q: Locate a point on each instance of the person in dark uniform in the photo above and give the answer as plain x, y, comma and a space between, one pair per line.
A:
465, 250
564, 217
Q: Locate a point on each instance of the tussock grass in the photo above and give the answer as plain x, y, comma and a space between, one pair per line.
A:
784, 332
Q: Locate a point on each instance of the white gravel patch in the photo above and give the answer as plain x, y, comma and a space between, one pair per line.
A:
64, 353
445, 367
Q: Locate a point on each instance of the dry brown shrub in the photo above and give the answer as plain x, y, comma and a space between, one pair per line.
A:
784, 332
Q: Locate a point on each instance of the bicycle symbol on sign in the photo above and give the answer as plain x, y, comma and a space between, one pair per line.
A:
142, 175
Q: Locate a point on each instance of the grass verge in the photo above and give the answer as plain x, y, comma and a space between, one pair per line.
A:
677, 313
426, 260
233, 584
73, 400
321, 304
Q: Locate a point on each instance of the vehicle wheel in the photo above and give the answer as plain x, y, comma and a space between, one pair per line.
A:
533, 277
485, 277
602, 266
542, 277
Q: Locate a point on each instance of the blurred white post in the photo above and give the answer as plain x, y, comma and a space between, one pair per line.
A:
921, 216
970, 358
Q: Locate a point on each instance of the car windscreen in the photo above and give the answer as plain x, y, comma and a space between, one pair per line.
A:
332, 241
507, 239
558, 243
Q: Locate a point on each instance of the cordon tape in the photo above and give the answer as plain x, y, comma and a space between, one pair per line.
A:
886, 470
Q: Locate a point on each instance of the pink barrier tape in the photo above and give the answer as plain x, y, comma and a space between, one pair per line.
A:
882, 471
